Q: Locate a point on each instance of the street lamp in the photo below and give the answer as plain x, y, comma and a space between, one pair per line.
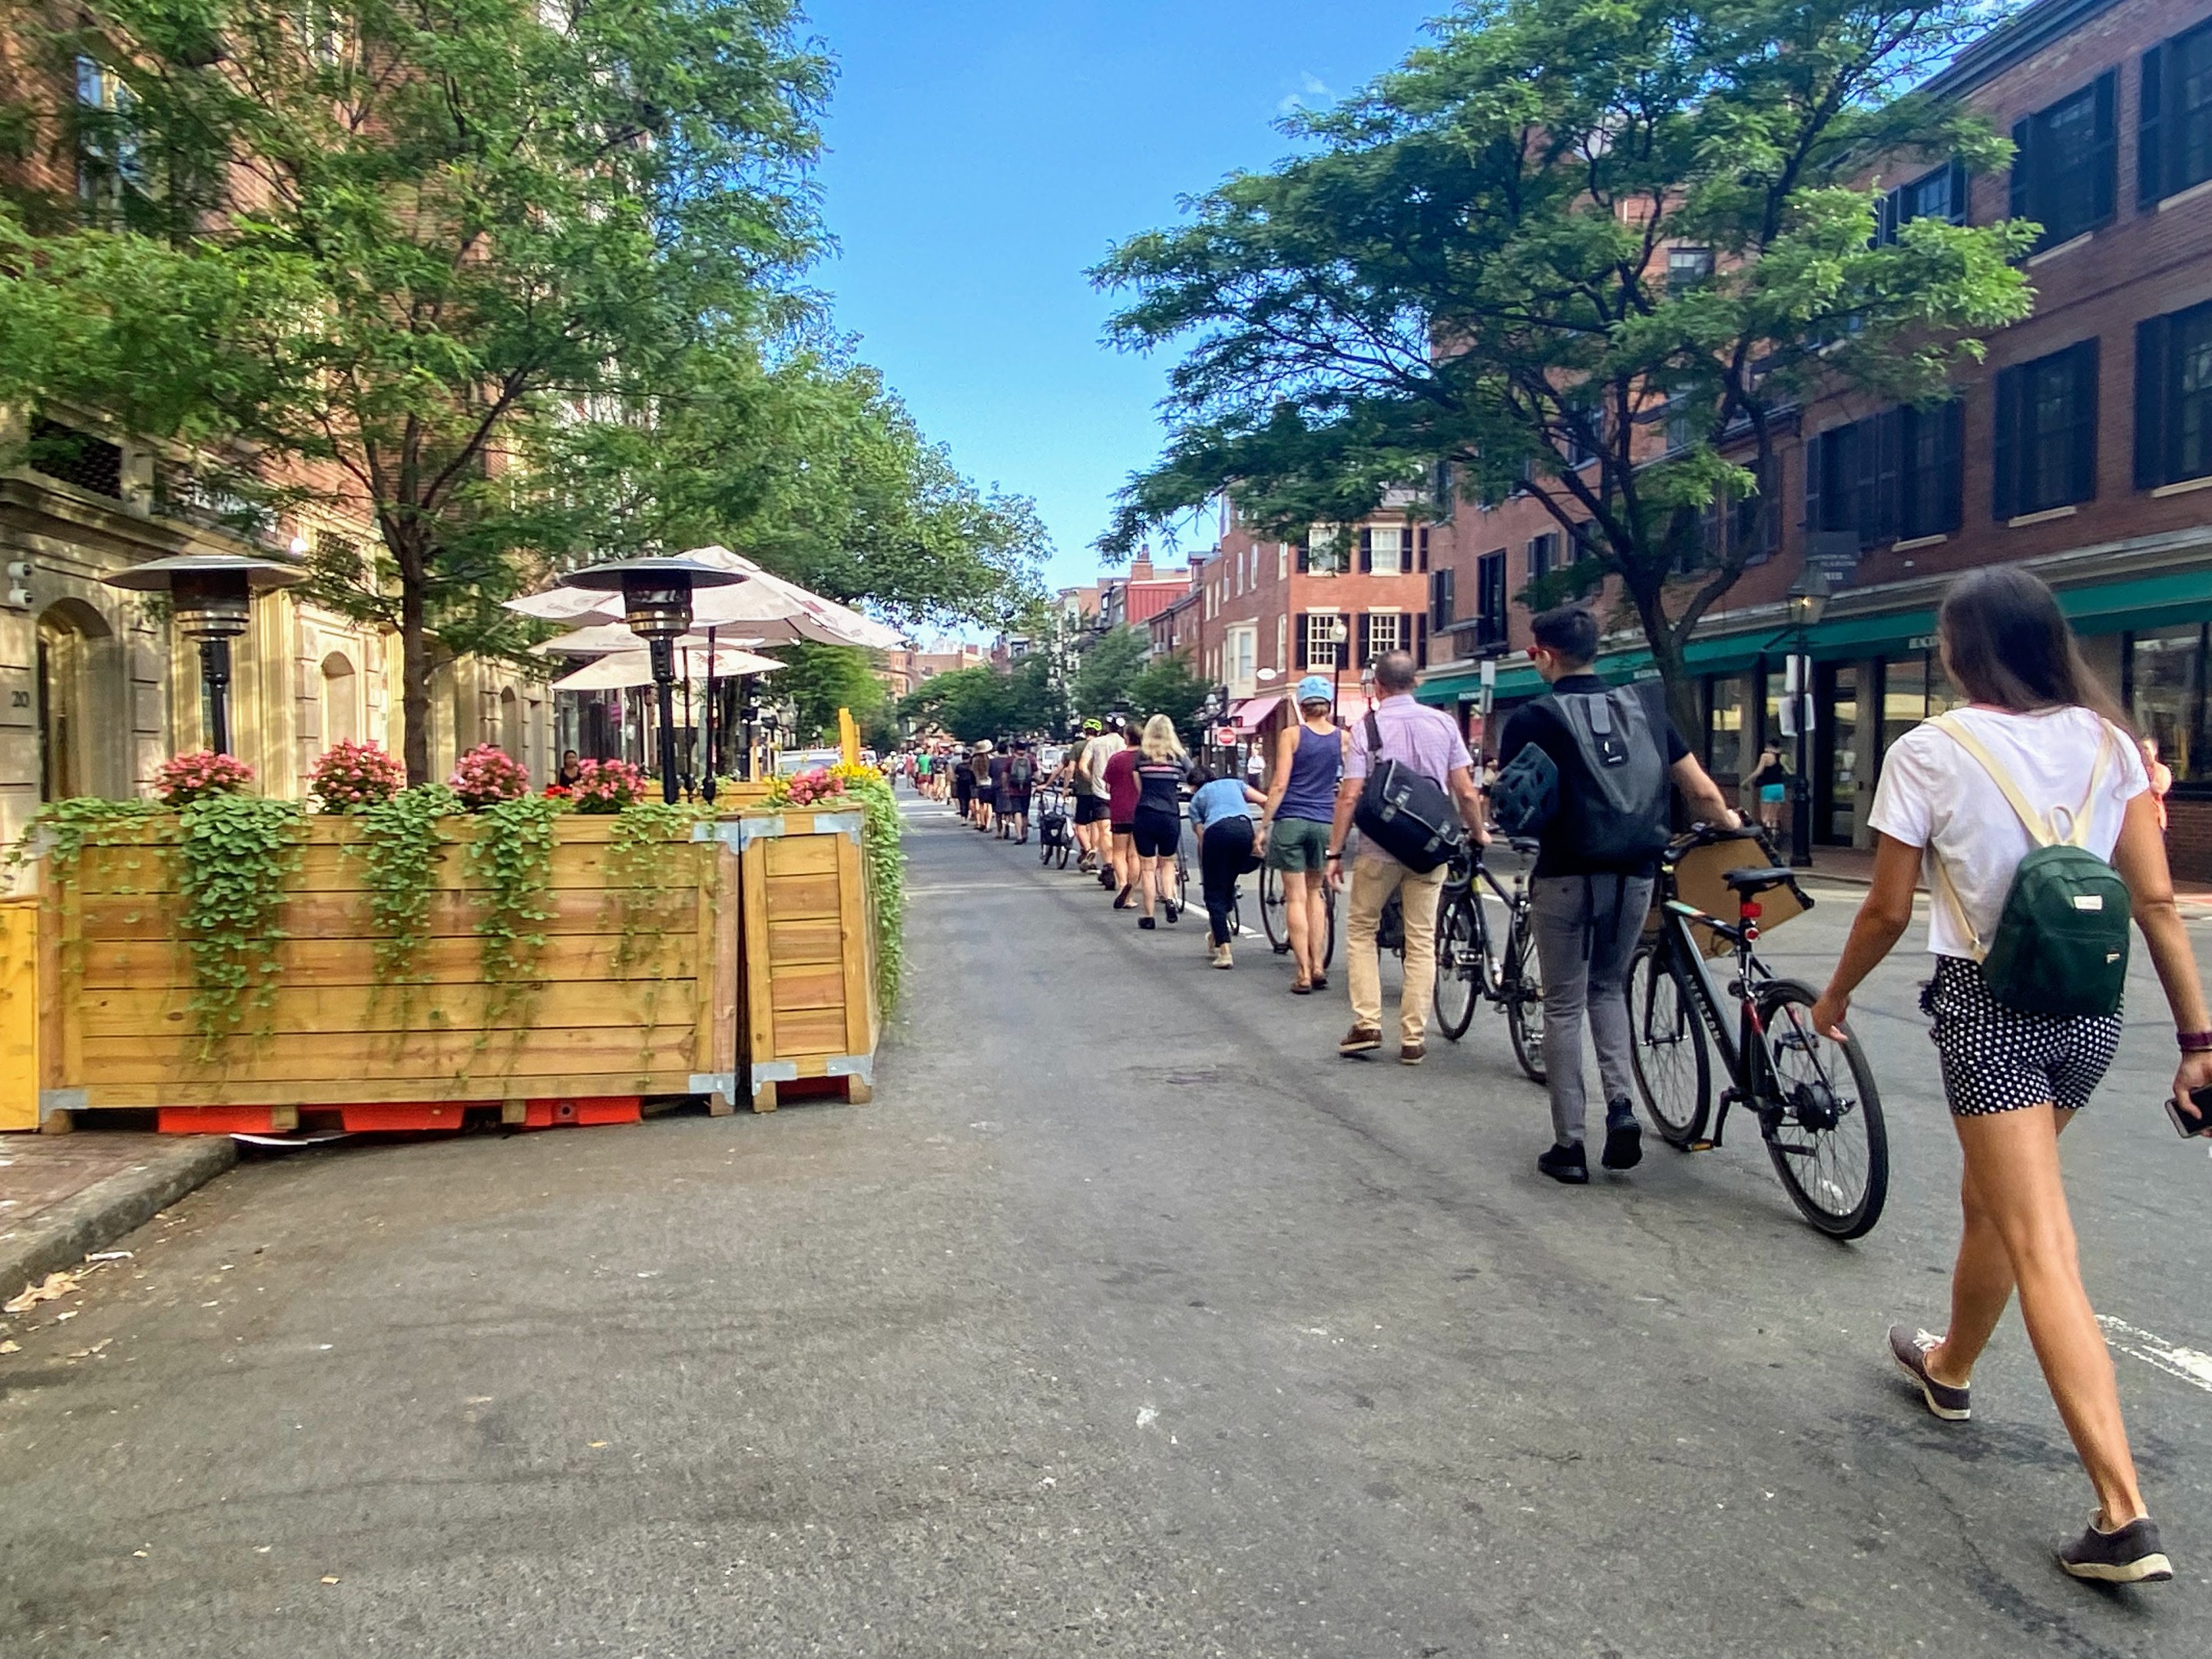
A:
212, 597
1807, 600
657, 606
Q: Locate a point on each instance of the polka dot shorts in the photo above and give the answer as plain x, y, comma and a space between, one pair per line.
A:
1995, 1059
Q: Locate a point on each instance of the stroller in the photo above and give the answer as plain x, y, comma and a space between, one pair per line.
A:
1055, 837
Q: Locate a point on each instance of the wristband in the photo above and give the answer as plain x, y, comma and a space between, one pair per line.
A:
2194, 1042
1338, 857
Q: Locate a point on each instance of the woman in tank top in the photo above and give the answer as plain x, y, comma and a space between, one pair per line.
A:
1301, 804
2038, 726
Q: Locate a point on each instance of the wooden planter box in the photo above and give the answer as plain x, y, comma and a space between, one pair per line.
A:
808, 955
595, 1035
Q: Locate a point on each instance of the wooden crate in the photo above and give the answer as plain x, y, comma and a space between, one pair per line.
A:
116, 987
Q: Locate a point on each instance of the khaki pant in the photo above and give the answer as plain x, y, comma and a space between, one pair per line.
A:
1373, 880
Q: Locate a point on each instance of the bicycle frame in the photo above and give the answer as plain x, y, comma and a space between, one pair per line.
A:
1743, 1051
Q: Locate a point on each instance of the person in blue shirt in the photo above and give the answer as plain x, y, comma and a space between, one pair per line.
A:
1223, 811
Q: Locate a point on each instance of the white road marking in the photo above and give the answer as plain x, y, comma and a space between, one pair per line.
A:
2187, 1363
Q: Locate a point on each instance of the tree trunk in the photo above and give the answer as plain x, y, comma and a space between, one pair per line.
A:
1684, 705
415, 669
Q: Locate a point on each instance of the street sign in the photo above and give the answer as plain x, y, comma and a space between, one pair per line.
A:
1225, 736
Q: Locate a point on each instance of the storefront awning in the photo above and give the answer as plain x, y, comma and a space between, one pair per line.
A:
1251, 715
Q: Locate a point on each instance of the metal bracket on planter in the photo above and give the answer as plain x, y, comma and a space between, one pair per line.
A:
52, 1101
839, 823
774, 1071
862, 1066
714, 1083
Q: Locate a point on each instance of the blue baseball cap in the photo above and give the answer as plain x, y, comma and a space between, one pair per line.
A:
1315, 688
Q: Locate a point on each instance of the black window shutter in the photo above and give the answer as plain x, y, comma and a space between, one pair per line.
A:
2105, 178
1305, 563
1366, 550
2085, 421
1813, 460
2023, 162
1770, 507
1888, 436
1866, 495
1298, 627
1364, 642
1960, 189
1950, 470
2152, 400
1420, 641
2150, 158
1421, 542
2004, 451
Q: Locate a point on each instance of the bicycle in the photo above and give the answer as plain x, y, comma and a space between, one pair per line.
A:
1276, 924
1469, 970
1818, 1110
1055, 839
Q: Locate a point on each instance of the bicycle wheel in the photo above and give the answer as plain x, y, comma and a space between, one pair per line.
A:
1272, 918
1067, 847
1521, 984
1329, 951
1674, 1067
1824, 1131
1459, 965
1044, 848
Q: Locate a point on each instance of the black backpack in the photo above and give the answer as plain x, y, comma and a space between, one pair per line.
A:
1407, 814
1018, 773
1621, 820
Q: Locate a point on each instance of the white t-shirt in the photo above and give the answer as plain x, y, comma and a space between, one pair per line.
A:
1096, 753
1933, 794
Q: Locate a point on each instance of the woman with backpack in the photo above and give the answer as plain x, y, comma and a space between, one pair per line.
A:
1014, 794
2014, 804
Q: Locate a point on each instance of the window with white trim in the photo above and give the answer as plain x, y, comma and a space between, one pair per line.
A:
1282, 640
1386, 549
1322, 643
1386, 631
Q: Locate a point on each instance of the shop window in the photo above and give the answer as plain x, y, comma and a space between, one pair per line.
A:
2165, 697
1839, 736
1940, 194
1727, 700
1912, 689
2046, 432
2173, 397
2065, 167
2173, 132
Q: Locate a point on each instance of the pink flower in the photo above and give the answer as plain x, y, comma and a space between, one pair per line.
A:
352, 775
488, 775
605, 786
185, 779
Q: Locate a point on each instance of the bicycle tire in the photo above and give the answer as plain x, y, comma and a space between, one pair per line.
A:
1834, 1163
1669, 1051
1272, 920
1459, 944
1066, 848
1044, 849
1521, 984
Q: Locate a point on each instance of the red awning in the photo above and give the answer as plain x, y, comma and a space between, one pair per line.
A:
1251, 715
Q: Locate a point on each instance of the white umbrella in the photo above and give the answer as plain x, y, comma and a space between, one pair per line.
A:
601, 638
763, 607
621, 670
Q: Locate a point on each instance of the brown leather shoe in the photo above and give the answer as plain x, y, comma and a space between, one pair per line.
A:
1360, 1039
1412, 1053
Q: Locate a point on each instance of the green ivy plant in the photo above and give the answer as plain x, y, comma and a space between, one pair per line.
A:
398, 849
234, 853
511, 859
63, 828
884, 865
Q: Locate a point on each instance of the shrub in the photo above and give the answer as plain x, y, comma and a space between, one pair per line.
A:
349, 776
488, 775
185, 779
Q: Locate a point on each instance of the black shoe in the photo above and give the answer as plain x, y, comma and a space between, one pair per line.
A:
1147, 924
1106, 879
1910, 1349
1321, 981
1566, 1165
1624, 1144
1174, 910
1125, 898
2129, 1556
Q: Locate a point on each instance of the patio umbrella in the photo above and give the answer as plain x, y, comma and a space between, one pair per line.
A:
620, 669
601, 639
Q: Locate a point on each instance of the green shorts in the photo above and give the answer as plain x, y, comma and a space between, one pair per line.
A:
1298, 844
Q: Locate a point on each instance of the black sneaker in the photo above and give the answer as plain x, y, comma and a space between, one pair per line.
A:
2129, 1556
1566, 1165
1910, 1349
1624, 1142
1147, 924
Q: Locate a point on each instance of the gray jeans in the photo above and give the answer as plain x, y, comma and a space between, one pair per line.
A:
1586, 929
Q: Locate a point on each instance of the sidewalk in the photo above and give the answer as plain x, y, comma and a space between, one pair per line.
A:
64, 1196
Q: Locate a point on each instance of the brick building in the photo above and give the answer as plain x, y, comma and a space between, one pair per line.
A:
2081, 449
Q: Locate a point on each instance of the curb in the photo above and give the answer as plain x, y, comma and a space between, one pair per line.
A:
104, 1212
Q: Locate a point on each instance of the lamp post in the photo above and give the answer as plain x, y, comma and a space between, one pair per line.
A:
1808, 598
212, 597
657, 606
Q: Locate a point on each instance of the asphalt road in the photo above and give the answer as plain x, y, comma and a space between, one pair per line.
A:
1129, 1320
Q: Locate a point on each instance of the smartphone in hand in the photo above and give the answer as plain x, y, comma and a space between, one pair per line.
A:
2200, 1103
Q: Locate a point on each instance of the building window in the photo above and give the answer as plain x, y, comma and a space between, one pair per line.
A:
1385, 631
2174, 398
1490, 599
2174, 136
1679, 435
2046, 432
1282, 640
1243, 652
1687, 267
1894, 476
1940, 194
1382, 549
74, 456
1442, 599
1543, 554
1325, 632
2066, 166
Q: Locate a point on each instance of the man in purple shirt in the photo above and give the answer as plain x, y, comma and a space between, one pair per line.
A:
1425, 740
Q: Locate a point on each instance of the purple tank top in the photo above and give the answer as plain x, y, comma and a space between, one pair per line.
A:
1313, 769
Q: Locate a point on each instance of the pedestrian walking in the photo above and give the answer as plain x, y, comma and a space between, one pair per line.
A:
1093, 805
1767, 785
983, 791
1156, 824
1224, 812
1002, 760
1120, 774
1014, 797
1300, 804
1613, 752
2160, 775
2015, 799
1428, 743
964, 786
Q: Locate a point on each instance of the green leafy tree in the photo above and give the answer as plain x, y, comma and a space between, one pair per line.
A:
376, 251
821, 679
968, 703
1167, 686
1108, 667
1470, 262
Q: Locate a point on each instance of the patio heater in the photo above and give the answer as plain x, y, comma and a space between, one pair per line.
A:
1808, 598
657, 606
211, 595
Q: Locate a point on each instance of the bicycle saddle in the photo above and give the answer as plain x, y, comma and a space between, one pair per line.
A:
1757, 878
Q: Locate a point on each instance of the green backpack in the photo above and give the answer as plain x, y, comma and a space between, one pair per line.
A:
2061, 945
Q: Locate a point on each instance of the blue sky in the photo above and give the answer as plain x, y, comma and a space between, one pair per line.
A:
984, 154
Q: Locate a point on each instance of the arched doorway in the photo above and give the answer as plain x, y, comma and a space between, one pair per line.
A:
71, 749
341, 700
